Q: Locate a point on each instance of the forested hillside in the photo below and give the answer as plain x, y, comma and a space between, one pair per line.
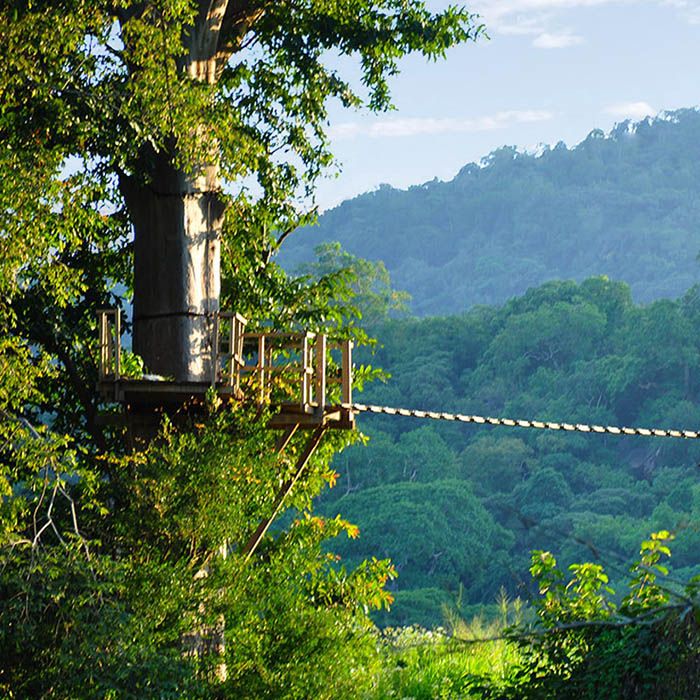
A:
458, 508
626, 204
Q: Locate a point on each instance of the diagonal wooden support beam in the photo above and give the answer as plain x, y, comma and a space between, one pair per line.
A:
284, 439
252, 544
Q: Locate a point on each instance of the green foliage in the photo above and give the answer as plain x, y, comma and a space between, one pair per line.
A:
369, 282
437, 534
105, 600
587, 646
113, 579
131, 365
645, 592
564, 351
578, 643
429, 664
494, 464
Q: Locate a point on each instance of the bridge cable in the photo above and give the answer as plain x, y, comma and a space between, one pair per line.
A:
524, 423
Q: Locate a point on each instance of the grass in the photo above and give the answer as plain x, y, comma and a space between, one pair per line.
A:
423, 664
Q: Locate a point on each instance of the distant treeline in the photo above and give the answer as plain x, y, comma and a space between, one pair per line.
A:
458, 508
626, 204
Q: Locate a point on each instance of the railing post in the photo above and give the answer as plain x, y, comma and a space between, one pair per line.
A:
102, 331
215, 347
110, 343
238, 328
117, 343
346, 369
261, 365
321, 371
305, 399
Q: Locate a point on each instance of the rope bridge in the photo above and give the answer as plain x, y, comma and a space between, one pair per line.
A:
305, 358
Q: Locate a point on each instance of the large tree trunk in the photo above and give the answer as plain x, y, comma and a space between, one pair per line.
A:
177, 223
177, 219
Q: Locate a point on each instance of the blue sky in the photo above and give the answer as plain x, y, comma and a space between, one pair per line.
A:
552, 70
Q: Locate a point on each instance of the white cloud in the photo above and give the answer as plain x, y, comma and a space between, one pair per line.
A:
393, 128
345, 130
562, 40
506, 13
690, 9
527, 17
631, 110
523, 26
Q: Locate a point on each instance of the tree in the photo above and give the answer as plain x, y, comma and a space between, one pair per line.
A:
438, 534
170, 99
369, 280
180, 137
496, 464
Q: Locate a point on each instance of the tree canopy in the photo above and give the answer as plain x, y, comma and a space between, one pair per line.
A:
245, 83
562, 352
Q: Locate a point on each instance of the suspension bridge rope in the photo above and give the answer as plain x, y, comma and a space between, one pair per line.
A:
524, 423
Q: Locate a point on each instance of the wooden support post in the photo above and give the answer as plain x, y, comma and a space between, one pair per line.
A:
346, 369
252, 544
261, 366
117, 343
285, 438
320, 372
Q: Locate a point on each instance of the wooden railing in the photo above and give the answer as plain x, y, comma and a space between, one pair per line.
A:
273, 360
290, 368
228, 340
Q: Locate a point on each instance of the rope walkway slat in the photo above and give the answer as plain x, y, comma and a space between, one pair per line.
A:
521, 423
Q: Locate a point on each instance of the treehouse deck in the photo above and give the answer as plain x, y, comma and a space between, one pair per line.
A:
303, 377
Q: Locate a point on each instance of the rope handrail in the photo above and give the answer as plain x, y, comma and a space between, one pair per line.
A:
525, 423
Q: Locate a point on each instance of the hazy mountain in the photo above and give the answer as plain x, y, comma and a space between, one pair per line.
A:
624, 204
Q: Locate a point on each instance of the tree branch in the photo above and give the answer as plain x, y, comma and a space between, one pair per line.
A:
239, 19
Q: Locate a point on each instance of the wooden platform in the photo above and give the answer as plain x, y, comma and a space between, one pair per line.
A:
144, 392
141, 395
305, 378
334, 417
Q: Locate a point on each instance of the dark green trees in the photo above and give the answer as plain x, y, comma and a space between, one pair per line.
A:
562, 352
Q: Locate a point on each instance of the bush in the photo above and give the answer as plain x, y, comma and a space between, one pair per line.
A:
585, 646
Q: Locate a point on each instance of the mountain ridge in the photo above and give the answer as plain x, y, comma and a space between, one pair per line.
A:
623, 204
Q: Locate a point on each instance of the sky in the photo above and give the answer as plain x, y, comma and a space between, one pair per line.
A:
550, 71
